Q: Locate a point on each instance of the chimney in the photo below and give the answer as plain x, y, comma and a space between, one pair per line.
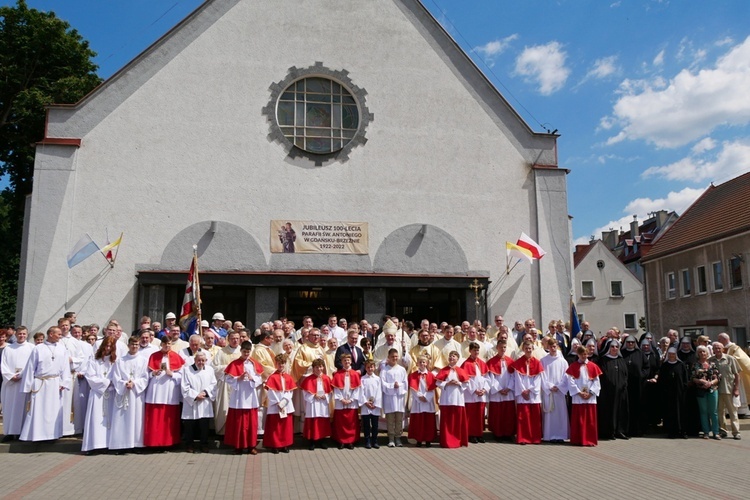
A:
634, 227
661, 218
609, 238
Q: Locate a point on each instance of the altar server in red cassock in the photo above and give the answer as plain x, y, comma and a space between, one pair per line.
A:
501, 418
454, 428
527, 371
584, 387
279, 428
346, 395
243, 375
422, 422
317, 389
475, 394
161, 426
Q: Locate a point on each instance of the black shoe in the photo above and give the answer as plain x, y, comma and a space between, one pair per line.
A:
473, 440
189, 450
285, 450
323, 446
481, 440
368, 445
375, 446
427, 444
205, 449
620, 435
7, 438
275, 451
237, 451
340, 446
349, 446
419, 444
311, 447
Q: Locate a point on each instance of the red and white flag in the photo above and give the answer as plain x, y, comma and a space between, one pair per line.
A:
191, 300
532, 246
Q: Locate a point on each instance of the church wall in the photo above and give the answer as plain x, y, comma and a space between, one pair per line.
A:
183, 142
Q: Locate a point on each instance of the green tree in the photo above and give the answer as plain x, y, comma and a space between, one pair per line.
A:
43, 61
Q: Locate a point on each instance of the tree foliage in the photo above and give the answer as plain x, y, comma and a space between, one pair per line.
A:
43, 61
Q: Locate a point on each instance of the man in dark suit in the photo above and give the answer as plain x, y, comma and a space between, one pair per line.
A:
351, 348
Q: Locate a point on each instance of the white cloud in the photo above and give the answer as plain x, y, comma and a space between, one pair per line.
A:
678, 201
731, 160
603, 68
544, 65
703, 145
659, 59
690, 106
492, 49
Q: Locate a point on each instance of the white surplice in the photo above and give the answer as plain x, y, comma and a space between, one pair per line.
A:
314, 407
417, 405
100, 403
126, 424
372, 391
14, 360
193, 383
555, 423
452, 395
394, 399
244, 394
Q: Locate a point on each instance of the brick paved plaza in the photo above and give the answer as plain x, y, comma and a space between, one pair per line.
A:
691, 468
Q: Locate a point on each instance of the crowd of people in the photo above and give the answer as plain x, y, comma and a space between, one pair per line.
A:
344, 383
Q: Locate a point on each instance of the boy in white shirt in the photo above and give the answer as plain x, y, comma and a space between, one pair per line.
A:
393, 378
372, 402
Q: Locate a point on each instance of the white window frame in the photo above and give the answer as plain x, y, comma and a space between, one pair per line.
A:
625, 321
714, 265
671, 292
622, 293
593, 291
685, 273
698, 290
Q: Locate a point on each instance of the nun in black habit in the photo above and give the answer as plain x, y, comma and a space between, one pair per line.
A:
612, 403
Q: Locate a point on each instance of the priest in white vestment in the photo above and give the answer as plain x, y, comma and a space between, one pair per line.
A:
220, 362
46, 377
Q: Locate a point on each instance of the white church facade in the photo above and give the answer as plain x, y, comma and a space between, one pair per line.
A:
399, 167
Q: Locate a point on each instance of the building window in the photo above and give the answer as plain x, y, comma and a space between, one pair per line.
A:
318, 113
735, 272
700, 280
686, 283
587, 289
718, 276
631, 321
670, 286
616, 288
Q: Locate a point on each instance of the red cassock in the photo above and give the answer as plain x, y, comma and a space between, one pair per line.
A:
454, 427
528, 416
318, 427
584, 428
161, 422
422, 426
475, 411
241, 429
346, 421
279, 432
501, 415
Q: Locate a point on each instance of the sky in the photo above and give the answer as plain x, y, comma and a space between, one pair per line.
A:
650, 97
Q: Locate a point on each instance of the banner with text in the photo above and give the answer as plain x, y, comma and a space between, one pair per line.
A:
297, 236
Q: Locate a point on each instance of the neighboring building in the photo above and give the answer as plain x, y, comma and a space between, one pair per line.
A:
631, 246
399, 166
606, 293
696, 274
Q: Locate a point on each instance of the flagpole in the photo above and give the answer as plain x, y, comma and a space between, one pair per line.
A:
117, 250
100, 251
198, 290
